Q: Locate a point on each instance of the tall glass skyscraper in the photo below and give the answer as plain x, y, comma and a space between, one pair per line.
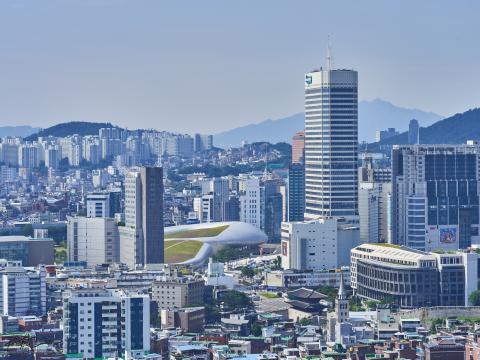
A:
331, 144
435, 196
142, 237
296, 192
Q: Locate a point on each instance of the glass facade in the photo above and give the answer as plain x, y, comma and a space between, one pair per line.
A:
296, 192
435, 193
331, 141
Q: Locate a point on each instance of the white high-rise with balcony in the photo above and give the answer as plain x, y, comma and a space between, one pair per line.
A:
331, 144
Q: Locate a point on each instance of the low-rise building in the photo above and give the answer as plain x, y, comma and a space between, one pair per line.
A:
307, 278
23, 290
445, 349
177, 292
190, 320
413, 278
30, 251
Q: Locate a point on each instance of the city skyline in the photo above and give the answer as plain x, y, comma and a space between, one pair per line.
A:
130, 64
136, 228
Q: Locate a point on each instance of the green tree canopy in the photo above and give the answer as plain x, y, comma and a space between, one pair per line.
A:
474, 298
233, 299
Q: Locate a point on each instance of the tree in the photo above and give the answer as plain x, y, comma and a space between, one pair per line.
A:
256, 330
212, 314
305, 321
231, 252
233, 299
355, 304
247, 272
474, 298
371, 304
387, 300
27, 230
437, 322
330, 291
277, 263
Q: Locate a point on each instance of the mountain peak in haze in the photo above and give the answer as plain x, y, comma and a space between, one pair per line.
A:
20, 130
373, 115
456, 129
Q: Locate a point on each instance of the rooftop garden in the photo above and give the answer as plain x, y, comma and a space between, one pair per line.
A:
197, 233
177, 251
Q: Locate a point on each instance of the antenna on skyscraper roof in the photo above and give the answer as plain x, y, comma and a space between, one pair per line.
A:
329, 55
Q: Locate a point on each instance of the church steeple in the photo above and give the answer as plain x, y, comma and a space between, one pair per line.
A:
342, 293
341, 305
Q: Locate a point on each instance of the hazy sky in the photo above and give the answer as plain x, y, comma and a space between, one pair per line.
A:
208, 66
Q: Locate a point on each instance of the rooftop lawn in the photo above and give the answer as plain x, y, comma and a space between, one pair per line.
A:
269, 295
177, 251
196, 233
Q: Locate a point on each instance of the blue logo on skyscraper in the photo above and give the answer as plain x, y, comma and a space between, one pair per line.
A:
308, 79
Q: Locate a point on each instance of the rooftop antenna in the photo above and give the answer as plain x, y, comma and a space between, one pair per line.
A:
329, 55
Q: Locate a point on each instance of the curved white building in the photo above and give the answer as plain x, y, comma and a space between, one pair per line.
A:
193, 244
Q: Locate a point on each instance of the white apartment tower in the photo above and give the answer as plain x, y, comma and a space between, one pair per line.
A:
251, 202
99, 323
331, 142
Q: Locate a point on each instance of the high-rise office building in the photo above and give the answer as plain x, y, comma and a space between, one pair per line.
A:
435, 196
296, 192
272, 210
152, 213
115, 202
141, 239
251, 202
298, 148
232, 209
413, 132
331, 144
374, 202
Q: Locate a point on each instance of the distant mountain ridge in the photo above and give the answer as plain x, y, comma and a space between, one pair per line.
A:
373, 115
21, 130
456, 129
82, 128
